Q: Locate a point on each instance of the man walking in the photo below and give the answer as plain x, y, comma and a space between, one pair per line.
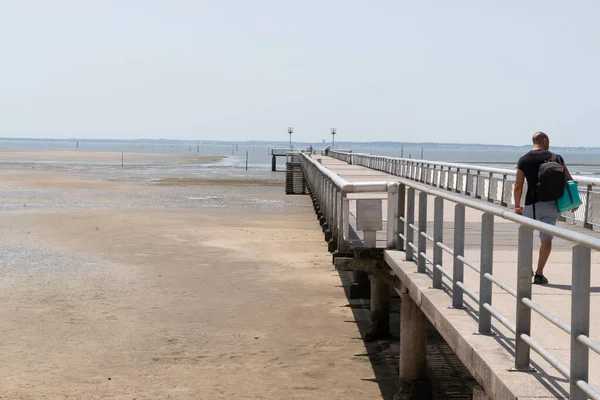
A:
545, 173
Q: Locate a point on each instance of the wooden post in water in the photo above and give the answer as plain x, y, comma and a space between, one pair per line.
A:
122, 157
246, 160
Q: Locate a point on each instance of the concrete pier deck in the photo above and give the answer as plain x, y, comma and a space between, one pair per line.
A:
489, 358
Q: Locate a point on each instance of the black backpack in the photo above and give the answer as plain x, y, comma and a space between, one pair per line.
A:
551, 180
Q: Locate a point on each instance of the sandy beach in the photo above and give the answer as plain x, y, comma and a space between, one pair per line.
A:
116, 285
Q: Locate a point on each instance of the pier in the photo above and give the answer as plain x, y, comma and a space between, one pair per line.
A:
279, 152
443, 236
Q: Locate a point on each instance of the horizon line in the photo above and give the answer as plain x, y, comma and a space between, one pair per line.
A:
423, 144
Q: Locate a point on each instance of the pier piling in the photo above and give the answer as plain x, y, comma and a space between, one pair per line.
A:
413, 348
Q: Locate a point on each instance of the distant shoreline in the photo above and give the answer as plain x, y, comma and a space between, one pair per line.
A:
514, 163
340, 144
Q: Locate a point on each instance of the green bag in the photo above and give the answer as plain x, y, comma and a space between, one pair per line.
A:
570, 198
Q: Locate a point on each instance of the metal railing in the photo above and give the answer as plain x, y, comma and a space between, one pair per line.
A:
344, 155
331, 193
578, 329
283, 151
402, 234
495, 185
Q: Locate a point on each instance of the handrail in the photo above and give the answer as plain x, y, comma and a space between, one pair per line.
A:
330, 191
579, 327
585, 180
346, 186
562, 233
495, 185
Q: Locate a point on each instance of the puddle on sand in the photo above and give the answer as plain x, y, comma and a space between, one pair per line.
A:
203, 198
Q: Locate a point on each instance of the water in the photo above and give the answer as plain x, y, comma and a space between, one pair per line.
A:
580, 161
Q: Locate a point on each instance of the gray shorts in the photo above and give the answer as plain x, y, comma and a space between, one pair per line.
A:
545, 211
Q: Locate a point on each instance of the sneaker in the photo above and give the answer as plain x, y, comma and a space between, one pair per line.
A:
540, 279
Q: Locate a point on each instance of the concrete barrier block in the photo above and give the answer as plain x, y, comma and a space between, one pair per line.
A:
369, 215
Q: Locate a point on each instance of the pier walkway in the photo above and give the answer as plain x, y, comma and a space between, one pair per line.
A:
464, 262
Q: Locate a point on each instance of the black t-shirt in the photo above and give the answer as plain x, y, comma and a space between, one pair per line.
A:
530, 165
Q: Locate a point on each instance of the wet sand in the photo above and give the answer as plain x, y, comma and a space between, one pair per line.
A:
117, 286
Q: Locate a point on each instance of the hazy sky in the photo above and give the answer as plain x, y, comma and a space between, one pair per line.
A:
443, 71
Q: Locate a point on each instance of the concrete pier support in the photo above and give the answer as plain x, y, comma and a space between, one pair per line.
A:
479, 393
361, 288
380, 300
413, 348
380, 310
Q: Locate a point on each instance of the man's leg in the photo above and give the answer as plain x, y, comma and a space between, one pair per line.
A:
545, 250
547, 214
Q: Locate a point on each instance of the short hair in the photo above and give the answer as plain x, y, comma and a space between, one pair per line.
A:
539, 138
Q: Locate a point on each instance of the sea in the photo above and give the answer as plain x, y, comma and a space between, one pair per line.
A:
257, 155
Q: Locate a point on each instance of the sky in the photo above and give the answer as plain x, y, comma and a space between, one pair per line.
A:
462, 71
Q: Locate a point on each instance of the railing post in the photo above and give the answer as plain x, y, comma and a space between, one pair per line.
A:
333, 206
410, 220
580, 319
490, 199
458, 186
327, 199
336, 220
468, 183
588, 205
346, 216
339, 233
438, 237
486, 265
503, 196
523, 326
422, 263
459, 250
392, 217
401, 213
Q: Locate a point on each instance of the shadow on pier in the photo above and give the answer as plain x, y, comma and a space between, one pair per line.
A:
449, 378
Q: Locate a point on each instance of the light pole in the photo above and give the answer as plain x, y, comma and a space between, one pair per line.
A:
290, 131
333, 132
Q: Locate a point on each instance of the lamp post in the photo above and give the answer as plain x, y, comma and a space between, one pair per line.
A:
333, 132
290, 131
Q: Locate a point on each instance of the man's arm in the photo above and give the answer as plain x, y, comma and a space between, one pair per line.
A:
519, 191
568, 174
